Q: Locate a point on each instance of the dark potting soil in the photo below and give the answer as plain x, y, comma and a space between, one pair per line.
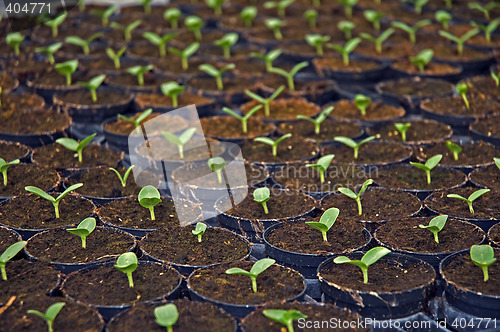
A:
11, 151
310, 89
328, 129
277, 283
346, 109
485, 207
230, 127
186, 37
394, 50
432, 68
417, 87
473, 154
265, 35
305, 49
54, 79
419, 131
20, 176
405, 234
34, 122
337, 64
411, 178
105, 64
488, 126
106, 285
146, 101
371, 153
124, 127
7, 81
494, 234
455, 106
444, 51
236, 53
151, 80
57, 156
483, 85
488, 177
7, 238
33, 212
294, 148
18, 103
59, 245
173, 65
230, 84
83, 97
284, 109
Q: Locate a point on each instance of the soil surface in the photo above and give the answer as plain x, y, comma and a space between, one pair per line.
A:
146, 101
417, 87
420, 131
494, 234
480, 153
230, 84
370, 153
454, 106
483, 85
151, 80
283, 109
7, 81
7, 238
11, 151
124, 127
432, 68
22, 175
22, 102
291, 149
53, 80
83, 97
57, 156
337, 64
411, 178
34, 122
224, 127
328, 129
346, 109
489, 126
488, 177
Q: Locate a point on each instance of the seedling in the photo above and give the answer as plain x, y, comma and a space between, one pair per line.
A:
123, 180
418, 5
67, 69
55, 23
497, 162
216, 73
475, 195
50, 315
199, 230
347, 49
285, 317
216, 5
104, 15
55, 201
462, 89
371, 257
319, 120
484, 9
273, 144
459, 40
166, 316
291, 74
496, 78
243, 119
411, 30
181, 140
84, 229
443, 17
127, 263
346, 27
311, 15
194, 24
149, 197
454, 148
326, 222
348, 5
14, 40
76, 146
93, 85
322, 165
378, 41
352, 143
357, 197
429, 165
362, 102
83, 43
262, 195
436, 225
49, 51
259, 267
4, 166
317, 41
280, 5
483, 256
268, 58
137, 121
127, 29
402, 128
422, 59
226, 42
8, 254
275, 24
159, 41
373, 17
265, 101
185, 53
449, 4
173, 90
172, 15
217, 164
115, 56
247, 15
139, 72
488, 29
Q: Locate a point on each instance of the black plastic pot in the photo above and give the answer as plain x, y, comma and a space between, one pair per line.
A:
34, 140
476, 134
471, 67
15, 235
352, 77
48, 91
490, 236
225, 98
205, 109
450, 77
24, 153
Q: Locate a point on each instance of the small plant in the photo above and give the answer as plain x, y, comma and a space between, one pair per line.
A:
378, 41
127, 263
4, 166
243, 119
497, 162
84, 229
181, 140
149, 197
326, 222
127, 29
417, 5
436, 225
422, 59
462, 89
49, 51
56, 22
347, 49
275, 24
444, 18
319, 119
159, 41
475, 195
14, 40
374, 18
488, 29
411, 30
495, 77
216, 73
484, 9
93, 85
280, 5
317, 41
357, 197
262, 196
368, 259
55, 201
248, 14
194, 24
273, 144
217, 164
226, 42
173, 90
67, 69
50, 314
322, 165
362, 102
259, 267
285, 317
483, 256
139, 72
291, 74
146, 4
115, 56
265, 101
83, 43
137, 121
199, 230
311, 15
454, 148
460, 41
104, 15
172, 15
429, 165
348, 5
8, 254
216, 5
166, 316
449, 4
346, 27
352, 143
123, 179
185, 53
76, 146
268, 58
402, 128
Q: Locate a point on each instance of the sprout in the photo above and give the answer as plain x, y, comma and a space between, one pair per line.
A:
247, 15
484, 9
488, 29
326, 222
429, 165
347, 49
50, 315
411, 30
49, 51
378, 41
402, 128
349, 193
93, 85
371, 257
319, 120
14, 40
418, 4
475, 195
422, 59
311, 15
497, 162
67, 69
137, 121
173, 16
348, 5
181, 140
449, 4
496, 78
259, 267
194, 24
83, 43
352, 143
84, 229
436, 225
56, 22
362, 102
55, 201
275, 24
146, 4
273, 144
8, 254
199, 230
285, 317
317, 41
443, 17
173, 90
290, 75
159, 41
268, 58
322, 165
166, 316
346, 27
123, 180
127, 263
454, 148
459, 40
115, 56
76, 146
243, 119
212, 71
105, 14
262, 195
483, 256
216, 5
4, 166
149, 197
280, 5
374, 17
139, 71
462, 89
217, 164
127, 29
265, 101
185, 54
226, 42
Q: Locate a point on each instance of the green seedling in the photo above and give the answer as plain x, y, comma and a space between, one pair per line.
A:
14, 40
268, 58
291, 74
262, 196
496, 78
488, 29
402, 128
362, 102
50, 314
371, 257
84, 229
317, 41
265, 101
173, 90
460, 41
285, 317
311, 15
475, 195
199, 230
139, 72
55, 201
8, 254
93, 85
67, 69
115, 56
217, 164
483, 256
127, 29
172, 15
49, 51
348, 6
81, 5
259, 267
127, 263
448, 3
326, 222
374, 18
347, 49
146, 4
273, 144
378, 41
436, 225
497, 162
76, 146
181, 140
216, 5
280, 5
56, 22
4, 166
83, 43
429, 165
444, 18
319, 120
454, 148
243, 119
346, 27
422, 59
322, 165
216, 73
357, 197
275, 24
194, 24
248, 14
352, 143
123, 179
411, 30
226, 42
486, 9
159, 41
166, 316
149, 197
417, 5
104, 15
137, 121
185, 53
462, 89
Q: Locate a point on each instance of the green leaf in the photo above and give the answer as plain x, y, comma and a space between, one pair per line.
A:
352, 44
68, 191
261, 265
39, 192
191, 49
149, 197
318, 225
216, 163
365, 186
329, 217
237, 270
420, 166
478, 193
261, 195
166, 315
200, 229
348, 192
209, 69
127, 262
84, 228
186, 135
172, 89
482, 255
193, 23
285, 317
497, 162
374, 254
66, 68
12, 251
362, 102
346, 140
433, 161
